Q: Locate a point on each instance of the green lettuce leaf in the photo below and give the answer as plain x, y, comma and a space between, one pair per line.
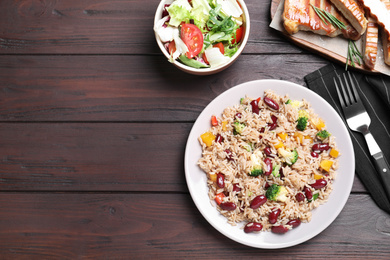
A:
179, 12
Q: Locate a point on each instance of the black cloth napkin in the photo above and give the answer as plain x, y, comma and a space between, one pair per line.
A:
374, 90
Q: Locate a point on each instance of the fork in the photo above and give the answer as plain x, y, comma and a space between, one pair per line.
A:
358, 120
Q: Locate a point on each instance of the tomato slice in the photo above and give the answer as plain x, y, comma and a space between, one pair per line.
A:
214, 121
238, 35
217, 45
219, 197
193, 38
205, 58
171, 47
220, 46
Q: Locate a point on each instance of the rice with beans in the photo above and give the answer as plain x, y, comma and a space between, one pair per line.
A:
230, 155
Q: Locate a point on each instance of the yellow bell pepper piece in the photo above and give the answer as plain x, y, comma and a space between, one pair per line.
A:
334, 153
208, 138
318, 176
326, 164
298, 137
224, 124
283, 136
319, 124
213, 177
279, 145
309, 137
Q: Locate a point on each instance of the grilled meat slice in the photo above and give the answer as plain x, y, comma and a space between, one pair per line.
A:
353, 13
300, 15
378, 10
385, 37
370, 44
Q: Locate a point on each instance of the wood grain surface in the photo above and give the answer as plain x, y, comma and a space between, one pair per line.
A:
93, 126
164, 226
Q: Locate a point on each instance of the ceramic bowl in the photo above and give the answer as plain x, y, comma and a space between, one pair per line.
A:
205, 71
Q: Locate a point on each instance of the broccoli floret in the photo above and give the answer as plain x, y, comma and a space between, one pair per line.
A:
323, 134
256, 172
289, 157
248, 146
275, 171
257, 168
238, 128
276, 193
302, 123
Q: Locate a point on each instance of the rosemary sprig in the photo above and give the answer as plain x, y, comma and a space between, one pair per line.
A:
326, 16
353, 55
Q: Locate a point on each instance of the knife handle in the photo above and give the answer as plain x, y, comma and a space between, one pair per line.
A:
383, 169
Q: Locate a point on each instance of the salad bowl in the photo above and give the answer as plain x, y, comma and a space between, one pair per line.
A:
197, 63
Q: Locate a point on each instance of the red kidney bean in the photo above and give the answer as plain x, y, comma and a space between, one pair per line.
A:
279, 229
300, 197
238, 115
266, 185
274, 119
262, 130
220, 180
236, 188
308, 193
273, 215
255, 106
272, 126
230, 206
319, 184
268, 163
294, 223
219, 138
314, 154
268, 152
271, 103
229, 155
320, 147
253, 227
258, 201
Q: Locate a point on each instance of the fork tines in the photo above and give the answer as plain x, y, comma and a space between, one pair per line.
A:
352, 97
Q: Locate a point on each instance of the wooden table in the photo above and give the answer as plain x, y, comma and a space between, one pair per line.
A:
94, 122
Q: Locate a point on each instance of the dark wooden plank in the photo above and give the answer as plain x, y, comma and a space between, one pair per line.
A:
164, 226
95, 157
103, 26
126, 88
110, 157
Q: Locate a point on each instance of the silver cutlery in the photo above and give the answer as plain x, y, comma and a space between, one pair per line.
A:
358, 120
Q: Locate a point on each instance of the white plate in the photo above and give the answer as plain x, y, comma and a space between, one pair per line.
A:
323, 216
